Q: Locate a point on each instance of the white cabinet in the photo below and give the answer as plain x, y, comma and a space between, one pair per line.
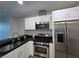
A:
45, 18
27, 23
73, 13
51, 50
66, 14
30, 23
59, 15
30, 48
12, 54
26, 50
23, 51
50, 24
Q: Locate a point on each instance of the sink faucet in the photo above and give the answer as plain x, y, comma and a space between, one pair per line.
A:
13, 34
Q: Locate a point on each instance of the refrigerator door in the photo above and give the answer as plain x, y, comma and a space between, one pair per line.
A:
73, 39
60, 42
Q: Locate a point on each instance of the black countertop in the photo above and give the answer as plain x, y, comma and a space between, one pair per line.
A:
14, 46
18, 43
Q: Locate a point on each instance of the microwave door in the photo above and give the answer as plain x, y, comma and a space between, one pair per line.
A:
42, 26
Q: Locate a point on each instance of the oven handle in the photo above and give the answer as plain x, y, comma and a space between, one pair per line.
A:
41, 46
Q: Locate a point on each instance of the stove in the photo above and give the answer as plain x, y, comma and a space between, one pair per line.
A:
41, 45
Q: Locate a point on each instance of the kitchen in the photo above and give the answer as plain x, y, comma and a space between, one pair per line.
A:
31, 29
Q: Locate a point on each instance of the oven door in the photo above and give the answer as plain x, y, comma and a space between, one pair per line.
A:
41, 50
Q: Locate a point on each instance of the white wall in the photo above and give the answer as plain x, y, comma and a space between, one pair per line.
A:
21, 25
17, 25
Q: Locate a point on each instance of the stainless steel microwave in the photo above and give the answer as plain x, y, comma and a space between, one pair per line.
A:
44, 25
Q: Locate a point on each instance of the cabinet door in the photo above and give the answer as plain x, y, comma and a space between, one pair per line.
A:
12, 54
37, 19
59, 15
73, 13
33, 21
30, 23
31, 51
22, 51
51, 50
27, 23
45, 17
27, 49
50, 24
49, 17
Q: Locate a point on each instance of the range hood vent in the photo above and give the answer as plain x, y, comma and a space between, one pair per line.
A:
42, 12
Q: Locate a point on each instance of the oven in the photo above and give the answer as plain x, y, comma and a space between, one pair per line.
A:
41, 49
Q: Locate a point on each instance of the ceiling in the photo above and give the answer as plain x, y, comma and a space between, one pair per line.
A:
31, 8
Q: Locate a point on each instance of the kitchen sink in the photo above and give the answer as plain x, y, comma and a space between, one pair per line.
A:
6, 48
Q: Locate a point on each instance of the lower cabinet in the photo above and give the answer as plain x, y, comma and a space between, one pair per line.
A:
23, 51
51, 50
12, 54
30, 48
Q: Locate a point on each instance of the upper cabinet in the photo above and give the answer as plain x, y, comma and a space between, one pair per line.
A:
27, 23
45, 17
73, 13
30, 22
59, 15
66, 14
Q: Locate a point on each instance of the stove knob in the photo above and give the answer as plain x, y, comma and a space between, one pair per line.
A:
41, 43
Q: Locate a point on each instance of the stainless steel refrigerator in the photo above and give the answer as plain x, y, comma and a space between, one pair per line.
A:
67, 39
